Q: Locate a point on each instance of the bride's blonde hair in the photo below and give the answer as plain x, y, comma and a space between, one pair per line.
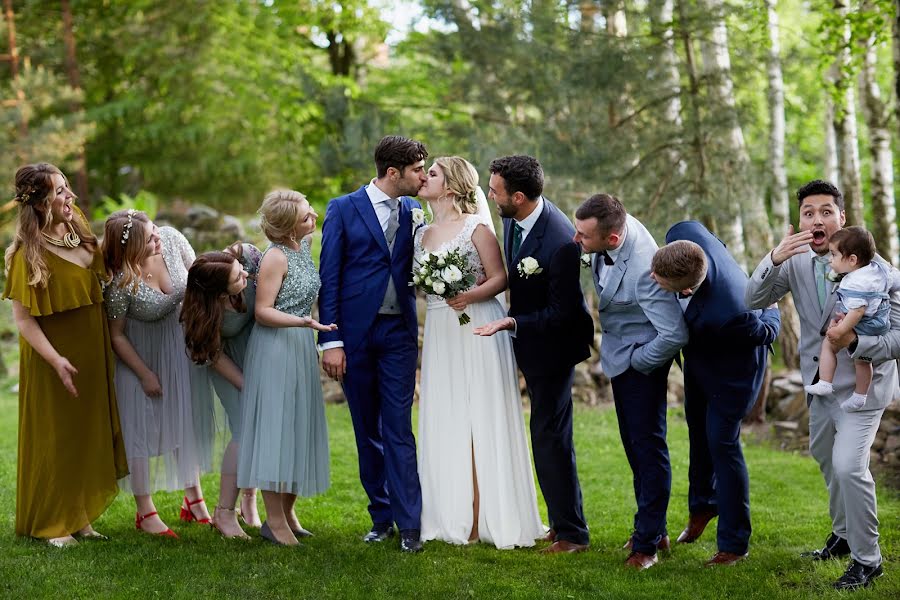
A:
461, 180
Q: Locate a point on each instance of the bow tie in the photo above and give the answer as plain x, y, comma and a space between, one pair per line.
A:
606, 258
683, 296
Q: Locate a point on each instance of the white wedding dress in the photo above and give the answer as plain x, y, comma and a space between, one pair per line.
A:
469, 402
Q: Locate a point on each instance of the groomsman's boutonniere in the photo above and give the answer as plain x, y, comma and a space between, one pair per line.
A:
418, 218
528, 266
586, 260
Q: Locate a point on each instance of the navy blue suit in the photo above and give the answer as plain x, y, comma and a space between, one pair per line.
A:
553, 334
381, 350
724, 367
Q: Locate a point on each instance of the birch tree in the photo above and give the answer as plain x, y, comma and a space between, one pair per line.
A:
877, 115
779, 188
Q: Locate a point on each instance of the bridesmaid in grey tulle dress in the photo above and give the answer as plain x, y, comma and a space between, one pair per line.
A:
148, 267
218, 317
284, 440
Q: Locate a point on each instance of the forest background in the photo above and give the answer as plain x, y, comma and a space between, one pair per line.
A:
705, 109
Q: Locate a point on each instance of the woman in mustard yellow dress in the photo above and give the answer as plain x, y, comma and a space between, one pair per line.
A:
70, 447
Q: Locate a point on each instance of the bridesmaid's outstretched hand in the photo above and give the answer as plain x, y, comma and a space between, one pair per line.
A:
313, 324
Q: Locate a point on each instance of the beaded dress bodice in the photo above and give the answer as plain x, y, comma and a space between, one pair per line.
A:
301, 283
147, 303
462, 241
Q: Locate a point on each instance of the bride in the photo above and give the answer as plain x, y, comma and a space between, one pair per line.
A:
474, 463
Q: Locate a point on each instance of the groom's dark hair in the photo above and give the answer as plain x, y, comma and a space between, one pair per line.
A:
607, 209
521, 173
818, 187
398, 152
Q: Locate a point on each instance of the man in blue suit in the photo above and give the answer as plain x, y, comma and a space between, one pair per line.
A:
552, 332
365, 266
724, 367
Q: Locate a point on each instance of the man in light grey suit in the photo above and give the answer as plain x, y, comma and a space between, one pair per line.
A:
643, 329
838, 440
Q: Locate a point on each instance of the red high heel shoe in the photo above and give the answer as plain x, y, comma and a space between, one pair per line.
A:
188, 516
138, 519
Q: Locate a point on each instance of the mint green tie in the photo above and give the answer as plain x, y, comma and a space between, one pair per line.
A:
821, 266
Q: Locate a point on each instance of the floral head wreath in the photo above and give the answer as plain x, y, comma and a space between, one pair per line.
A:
126, 230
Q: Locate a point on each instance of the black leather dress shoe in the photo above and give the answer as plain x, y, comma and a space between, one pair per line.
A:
858, 576
409, 541
379, 533
835, 547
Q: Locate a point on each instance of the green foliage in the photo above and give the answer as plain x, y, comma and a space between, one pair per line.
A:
143, 201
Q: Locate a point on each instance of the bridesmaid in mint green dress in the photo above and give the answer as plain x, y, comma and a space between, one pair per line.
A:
218, 316
284, 440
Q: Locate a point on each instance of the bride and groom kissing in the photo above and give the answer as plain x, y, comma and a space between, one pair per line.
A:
473, 479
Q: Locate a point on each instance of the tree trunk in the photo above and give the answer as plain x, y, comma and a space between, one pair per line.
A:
698, 141
14, 71
81, 180
781, 212
831, 154
845, 125
661, 13
747, 219
877, 115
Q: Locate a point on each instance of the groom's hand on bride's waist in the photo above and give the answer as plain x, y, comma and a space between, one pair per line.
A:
504, 324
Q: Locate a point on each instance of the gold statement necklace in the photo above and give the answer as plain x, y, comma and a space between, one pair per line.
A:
69, 240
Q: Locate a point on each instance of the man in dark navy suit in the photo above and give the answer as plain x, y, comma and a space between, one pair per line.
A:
552, 333
724, 366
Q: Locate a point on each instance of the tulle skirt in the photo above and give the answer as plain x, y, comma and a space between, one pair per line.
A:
284, 438
470, 405
160, 439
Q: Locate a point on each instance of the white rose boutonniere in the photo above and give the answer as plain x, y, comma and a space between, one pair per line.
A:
586, 260
528, 266
418, 218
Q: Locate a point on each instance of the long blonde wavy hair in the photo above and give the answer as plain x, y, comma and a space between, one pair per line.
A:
460, 179
34, 192
126, 256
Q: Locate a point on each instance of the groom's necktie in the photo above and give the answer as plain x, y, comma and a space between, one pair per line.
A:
517, 240
390, 305
821, 265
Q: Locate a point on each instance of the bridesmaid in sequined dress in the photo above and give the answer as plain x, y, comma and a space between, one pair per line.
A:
284, 440
148, 268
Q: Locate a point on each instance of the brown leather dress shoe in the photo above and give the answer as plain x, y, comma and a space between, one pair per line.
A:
563, 546
664, 545
641, 561
725, 559
550, 537
696, 524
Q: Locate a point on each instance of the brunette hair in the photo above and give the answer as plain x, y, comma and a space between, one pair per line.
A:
34, 192
398, 152
818, 187
203, 309
520, 173
279, 213
607, 209
461, 180
855, 240
125, 245
682, 263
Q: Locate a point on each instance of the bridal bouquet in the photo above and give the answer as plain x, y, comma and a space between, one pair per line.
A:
445, 274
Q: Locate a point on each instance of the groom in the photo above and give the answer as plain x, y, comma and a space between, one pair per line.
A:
552, 332
365, 266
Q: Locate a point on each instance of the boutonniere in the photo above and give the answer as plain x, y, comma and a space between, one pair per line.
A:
418, 218
834, 276
528, 266
586, 260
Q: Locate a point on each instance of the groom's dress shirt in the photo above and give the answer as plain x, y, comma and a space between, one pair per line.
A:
603, 270
527, 224
383, 212
377, 198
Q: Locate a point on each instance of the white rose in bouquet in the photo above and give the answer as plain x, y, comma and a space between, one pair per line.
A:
451, 274
438, 287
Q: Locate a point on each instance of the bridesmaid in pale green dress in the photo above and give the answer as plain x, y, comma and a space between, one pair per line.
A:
218, 316
284, 439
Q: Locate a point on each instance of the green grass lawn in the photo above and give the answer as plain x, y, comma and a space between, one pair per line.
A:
789, 515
